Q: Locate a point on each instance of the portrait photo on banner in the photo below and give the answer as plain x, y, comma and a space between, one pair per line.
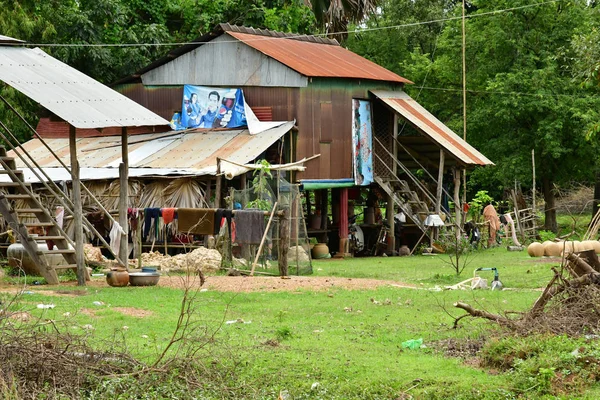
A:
209, 107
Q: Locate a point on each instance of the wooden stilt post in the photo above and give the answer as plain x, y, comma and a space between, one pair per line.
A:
124, 196
284, 243
218, 187
389, 215
77, 208
457, 205
440, 187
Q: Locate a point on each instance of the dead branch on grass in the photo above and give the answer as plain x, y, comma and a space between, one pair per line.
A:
568, 305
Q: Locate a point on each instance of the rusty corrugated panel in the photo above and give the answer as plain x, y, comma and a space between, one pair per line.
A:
60, 129
192, 152
318, 60
68, 93
326, 122
163, 100
423, 120
263, 113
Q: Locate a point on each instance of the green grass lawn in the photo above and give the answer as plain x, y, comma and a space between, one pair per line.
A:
330, 344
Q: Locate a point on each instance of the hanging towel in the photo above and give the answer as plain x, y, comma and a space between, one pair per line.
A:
198, 221
150, 215
249, 226
115, 237
168, 215
59, 216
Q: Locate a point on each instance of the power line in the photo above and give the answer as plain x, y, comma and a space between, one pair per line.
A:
508, 93
407, 25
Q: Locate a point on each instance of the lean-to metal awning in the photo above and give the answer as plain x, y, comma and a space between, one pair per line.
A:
174, 153
70, 94
431, 127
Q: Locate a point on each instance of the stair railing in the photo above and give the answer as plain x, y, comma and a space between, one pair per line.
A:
62, 197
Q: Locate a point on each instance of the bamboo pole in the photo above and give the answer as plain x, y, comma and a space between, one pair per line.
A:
262, 242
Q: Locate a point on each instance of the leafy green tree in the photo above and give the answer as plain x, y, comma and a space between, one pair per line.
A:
521, 97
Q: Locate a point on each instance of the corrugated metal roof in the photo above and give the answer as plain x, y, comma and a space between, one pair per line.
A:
317, 59
8, 39
68, 93
171, 153
408, 108
312, 56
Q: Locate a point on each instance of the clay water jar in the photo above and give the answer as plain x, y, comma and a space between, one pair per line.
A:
117, 277
320, 250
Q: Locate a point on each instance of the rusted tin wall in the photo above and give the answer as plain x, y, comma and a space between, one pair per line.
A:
163, 100
323, 114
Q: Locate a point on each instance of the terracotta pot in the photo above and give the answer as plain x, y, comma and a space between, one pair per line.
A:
320, 250
117, 277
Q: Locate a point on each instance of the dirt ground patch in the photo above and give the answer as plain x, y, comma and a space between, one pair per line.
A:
129, 311
241, 284
133, 312
276, 284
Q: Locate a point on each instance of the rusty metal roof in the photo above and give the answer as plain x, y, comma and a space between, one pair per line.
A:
167, 153
312, 56
317, 59
68, 93
433, 128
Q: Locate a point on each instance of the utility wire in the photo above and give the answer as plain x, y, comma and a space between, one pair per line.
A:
411, 24
508, 93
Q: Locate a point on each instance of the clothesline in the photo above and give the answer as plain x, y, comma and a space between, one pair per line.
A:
116, 212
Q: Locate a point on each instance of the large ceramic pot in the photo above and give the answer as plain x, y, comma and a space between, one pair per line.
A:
19, 258
117, 277
320, 250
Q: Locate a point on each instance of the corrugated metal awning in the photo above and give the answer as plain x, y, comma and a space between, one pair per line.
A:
433, 128
68, 93
172, 153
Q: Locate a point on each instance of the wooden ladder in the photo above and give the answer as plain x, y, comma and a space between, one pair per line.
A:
19, 190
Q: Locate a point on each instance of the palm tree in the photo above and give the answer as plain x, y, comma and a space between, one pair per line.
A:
335, 15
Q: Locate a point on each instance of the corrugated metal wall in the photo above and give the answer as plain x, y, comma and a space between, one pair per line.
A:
323, 114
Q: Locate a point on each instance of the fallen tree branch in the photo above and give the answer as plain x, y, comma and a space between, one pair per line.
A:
483, 314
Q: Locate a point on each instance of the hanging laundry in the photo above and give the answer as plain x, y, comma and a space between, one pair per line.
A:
151, 216
115, 237
199, 221
59, 216
250, 226
168, 215
226, 218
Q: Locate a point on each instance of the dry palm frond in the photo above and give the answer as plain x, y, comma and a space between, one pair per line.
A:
152, 194
110, 196
185, 193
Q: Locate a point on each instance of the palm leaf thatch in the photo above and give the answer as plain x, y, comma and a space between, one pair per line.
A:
110, 197
180, 193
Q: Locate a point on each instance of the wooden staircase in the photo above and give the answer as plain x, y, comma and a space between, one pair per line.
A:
407, 200
17, 189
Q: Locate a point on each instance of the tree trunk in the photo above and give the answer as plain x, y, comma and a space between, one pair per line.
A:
550, 206
596, 194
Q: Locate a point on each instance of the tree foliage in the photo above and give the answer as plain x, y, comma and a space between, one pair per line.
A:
523, 89
110, 39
